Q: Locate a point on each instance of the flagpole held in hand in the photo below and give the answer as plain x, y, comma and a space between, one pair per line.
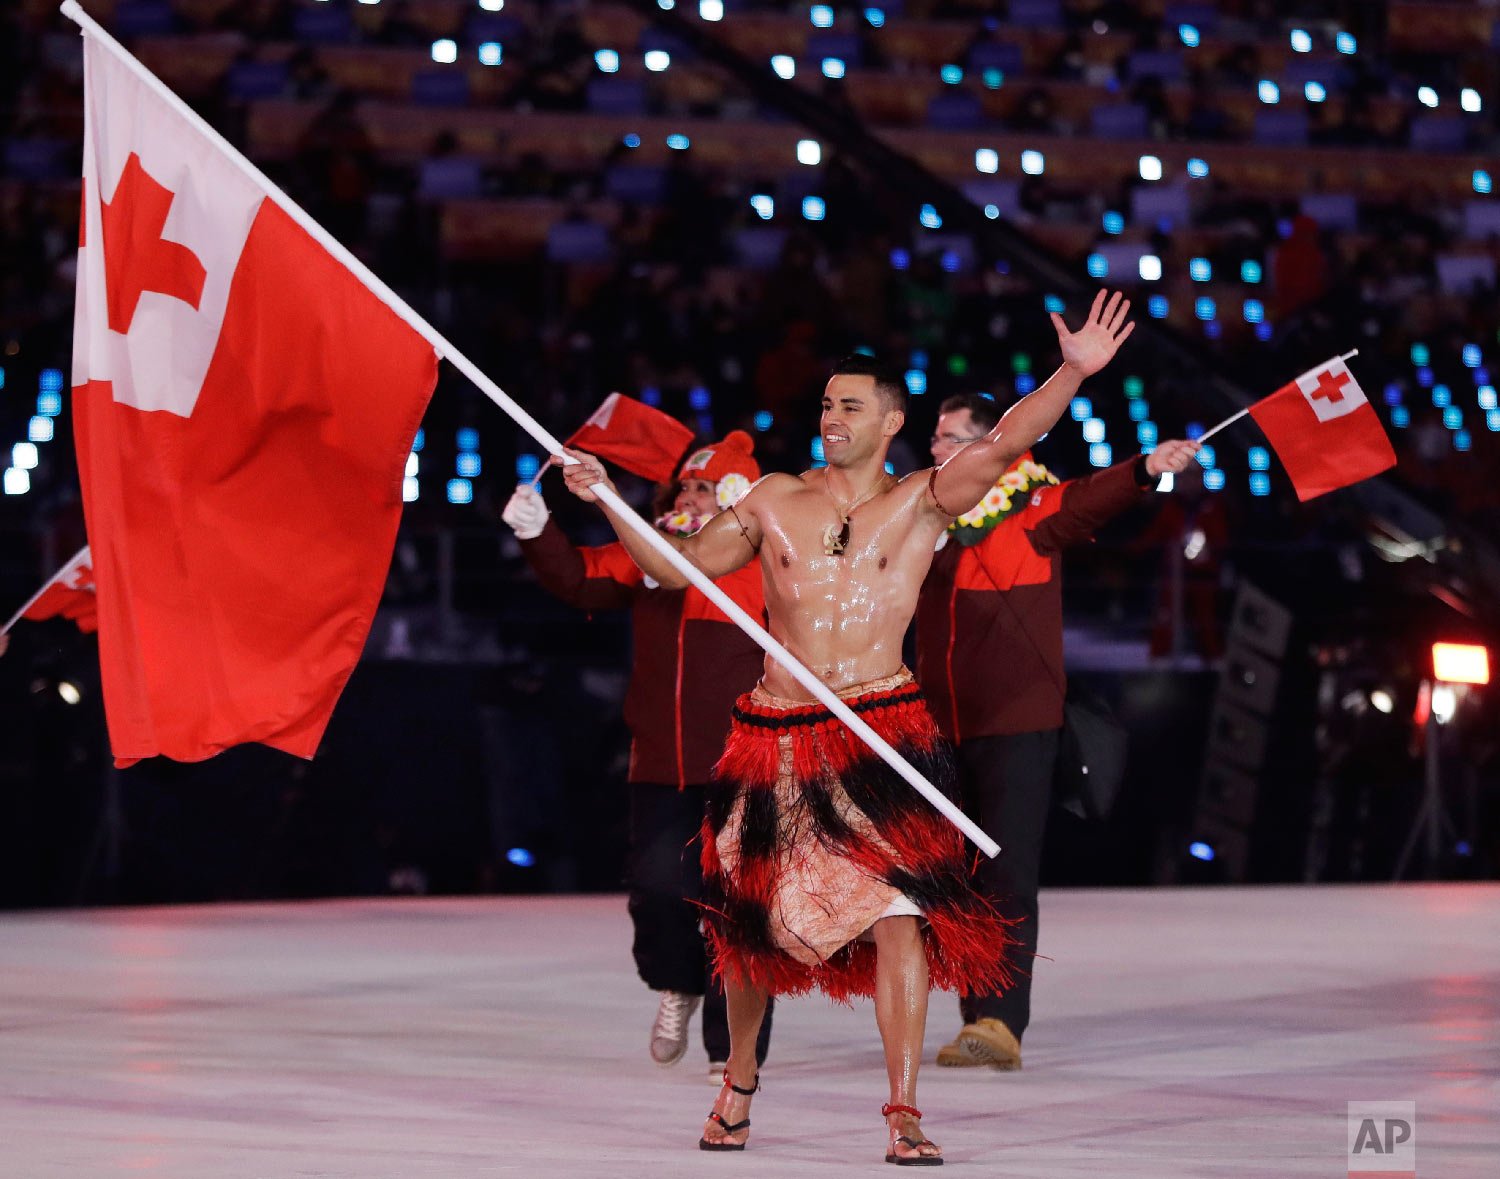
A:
1229, 421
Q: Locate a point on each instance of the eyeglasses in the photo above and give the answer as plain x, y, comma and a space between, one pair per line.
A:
951, 439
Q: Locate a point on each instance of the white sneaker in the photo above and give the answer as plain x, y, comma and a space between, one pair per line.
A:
669, 1034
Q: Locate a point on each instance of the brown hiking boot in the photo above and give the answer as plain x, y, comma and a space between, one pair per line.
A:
984, 1042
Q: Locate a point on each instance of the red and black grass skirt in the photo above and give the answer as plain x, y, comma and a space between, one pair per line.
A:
810, 838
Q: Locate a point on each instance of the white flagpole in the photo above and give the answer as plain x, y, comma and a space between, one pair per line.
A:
46, 585
1229, 421
448, 352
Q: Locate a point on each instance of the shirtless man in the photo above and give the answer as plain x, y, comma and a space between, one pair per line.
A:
815, 847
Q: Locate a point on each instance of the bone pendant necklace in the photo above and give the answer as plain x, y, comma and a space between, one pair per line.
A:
836, 538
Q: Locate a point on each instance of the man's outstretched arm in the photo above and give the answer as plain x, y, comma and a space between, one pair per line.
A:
721, 546
964, 479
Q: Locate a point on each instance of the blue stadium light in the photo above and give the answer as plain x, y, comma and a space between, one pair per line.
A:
821, 16
833, 67
900, 259
1469, 99
1093, 430
1098, 265
992, 212
50, 381
1260, 483
651, 396
468, 438
1200, 270
1146, 433
411, 488
419, 441
1204, 308
49, 404
1053, 303
930, 218
17, 481
1250, 271
1453, 417
1158, 307
657, 60
1346, 44
711, 10
1260, 458
25, 456
918, 359
1482, 183
1149, 268
784, 67
1492, 421
1487, 397
492, 5
607, 60
1462, 440
951, 262
1100, 455
413, 463
987, 160
1473, 357
916, 381
678, 142
1197, 168
1283, 227
813, 208
1213, 329
1263, 330
1139, 409
1150, 167
1033, 163
817, 450
1268, 92
1420, 354
1195, 431
39, 428
1442, 396
1393, 394
1205, 456
468, 465
1481, 376
1254, 311
632, 140
699, 398
1213, 480
1314, 91
460, 491
527, 465
1400, 417
445, 51
764, 420
491, 53
1427, 96
890, 468
952, 74
1189, 36
809, 152
1114, 223
1301, 41
666, 5
1081, 408
2, 378
764, 205
875, 17
993, 78
988, 396
1025, 383
520, 857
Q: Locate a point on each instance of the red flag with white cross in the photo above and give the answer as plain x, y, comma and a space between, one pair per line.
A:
244, 406
69, 592
1324, 430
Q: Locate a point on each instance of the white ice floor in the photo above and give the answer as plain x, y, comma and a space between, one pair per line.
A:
1176, 1033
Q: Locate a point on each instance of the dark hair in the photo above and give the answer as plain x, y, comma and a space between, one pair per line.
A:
986, 413
890, 380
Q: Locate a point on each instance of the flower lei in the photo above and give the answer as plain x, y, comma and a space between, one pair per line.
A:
681, 523
1010, 494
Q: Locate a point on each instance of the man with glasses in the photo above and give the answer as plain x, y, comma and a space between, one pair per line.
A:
990, 660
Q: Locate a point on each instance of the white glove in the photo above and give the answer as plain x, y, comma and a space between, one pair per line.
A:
526, 513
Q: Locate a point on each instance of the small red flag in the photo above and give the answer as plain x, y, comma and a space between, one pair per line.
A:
645, 441
1324, 430
69, 593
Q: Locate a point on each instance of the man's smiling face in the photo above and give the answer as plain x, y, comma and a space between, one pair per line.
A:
855, 423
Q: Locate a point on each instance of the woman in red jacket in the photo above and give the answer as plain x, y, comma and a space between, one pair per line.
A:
690, 664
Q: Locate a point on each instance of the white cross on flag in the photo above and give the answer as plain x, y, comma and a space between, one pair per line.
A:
1324, 430
244, 406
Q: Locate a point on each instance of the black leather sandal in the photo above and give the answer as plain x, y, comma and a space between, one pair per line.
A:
911, 1160
705, 1144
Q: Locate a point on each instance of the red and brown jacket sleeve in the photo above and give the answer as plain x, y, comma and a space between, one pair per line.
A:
1086, 504
603, 578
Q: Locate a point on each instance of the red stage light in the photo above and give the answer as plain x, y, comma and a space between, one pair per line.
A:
1461, 663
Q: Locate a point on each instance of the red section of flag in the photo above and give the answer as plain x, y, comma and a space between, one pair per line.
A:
645, 441
1325, 431
241, 551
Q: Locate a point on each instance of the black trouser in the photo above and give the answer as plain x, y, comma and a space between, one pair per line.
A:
1006, 785
665, 878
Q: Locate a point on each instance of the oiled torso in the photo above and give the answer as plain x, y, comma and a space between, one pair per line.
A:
843, 616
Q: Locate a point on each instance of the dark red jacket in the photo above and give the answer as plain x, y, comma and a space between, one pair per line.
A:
690, 662
989, 618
